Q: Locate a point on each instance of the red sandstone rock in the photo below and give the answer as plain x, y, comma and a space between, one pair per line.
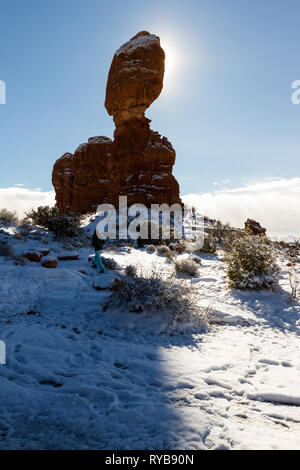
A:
33, 256
68, 257
49, 262
135, 78
138, 163
255, 227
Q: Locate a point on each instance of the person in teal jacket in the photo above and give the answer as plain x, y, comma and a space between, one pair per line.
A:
98, 245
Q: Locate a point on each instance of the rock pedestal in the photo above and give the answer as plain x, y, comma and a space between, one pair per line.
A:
138, 163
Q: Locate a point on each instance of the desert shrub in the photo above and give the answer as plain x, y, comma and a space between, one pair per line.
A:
131, 271
109, 263
42, 215
187, 266
8, 217
65, 225
163, 250
251, 263
153, 294
150, 248
24, 225
209, 244
6, 250
61, 225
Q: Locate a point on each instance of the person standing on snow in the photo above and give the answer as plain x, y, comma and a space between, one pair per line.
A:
98, 244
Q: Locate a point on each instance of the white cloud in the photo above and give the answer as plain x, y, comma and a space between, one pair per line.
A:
23, 199
275, 203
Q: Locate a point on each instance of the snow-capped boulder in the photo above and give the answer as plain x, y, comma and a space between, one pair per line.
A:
68, 256
105, 281
49, 262
33, 256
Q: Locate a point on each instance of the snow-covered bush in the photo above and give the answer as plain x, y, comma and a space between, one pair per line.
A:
164, 250
151, 249
8, 217
152, 293
187, 266
61, 225
251, 262
131, 271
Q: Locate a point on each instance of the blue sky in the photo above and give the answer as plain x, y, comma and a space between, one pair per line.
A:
226, 106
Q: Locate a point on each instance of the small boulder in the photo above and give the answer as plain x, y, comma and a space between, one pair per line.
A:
43, 251
49, 262
68, 256
33, 256
175, 247
254, 227
105, 281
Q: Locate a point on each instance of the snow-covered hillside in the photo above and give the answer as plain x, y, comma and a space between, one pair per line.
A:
80, 378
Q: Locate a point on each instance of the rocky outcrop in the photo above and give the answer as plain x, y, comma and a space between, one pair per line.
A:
138, 162
254, 227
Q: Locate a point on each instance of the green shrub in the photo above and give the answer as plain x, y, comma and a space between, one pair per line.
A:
42, 215
251, 262
8, 217
65, 225
61, 225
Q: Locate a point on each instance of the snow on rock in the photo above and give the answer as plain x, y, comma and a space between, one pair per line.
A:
33, 256
68, 256
49, 262
105, 281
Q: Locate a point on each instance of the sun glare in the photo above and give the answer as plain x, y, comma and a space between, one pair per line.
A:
172, 64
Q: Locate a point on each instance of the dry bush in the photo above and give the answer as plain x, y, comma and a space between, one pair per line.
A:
165, 251
131, 271
187, 266
152, 293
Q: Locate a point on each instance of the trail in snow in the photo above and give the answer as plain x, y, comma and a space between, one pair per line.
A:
80, 378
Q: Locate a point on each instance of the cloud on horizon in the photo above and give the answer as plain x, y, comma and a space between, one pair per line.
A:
21, 199
275, 203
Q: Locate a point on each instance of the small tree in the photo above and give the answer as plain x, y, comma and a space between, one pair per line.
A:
251, 263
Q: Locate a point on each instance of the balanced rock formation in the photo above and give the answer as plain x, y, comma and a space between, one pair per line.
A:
138, 162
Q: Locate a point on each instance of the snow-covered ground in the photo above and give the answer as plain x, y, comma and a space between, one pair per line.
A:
80, 378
